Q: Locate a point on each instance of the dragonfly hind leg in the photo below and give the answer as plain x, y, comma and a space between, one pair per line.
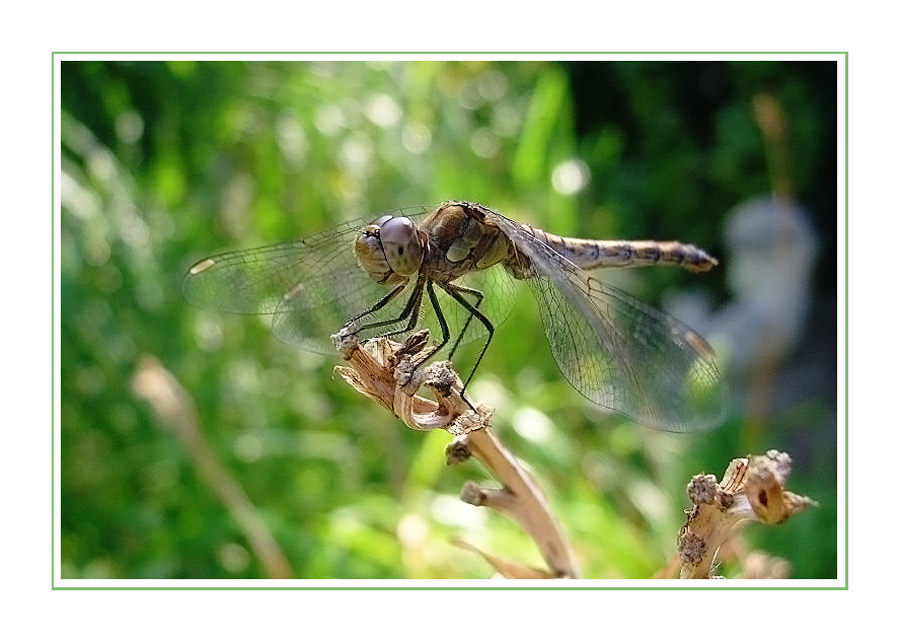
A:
457, 292
479, 296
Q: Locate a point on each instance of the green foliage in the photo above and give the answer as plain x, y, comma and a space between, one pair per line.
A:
166, 162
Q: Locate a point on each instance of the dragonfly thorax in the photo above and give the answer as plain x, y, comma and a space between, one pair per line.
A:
390, 249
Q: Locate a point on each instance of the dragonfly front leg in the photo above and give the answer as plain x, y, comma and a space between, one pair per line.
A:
383, 301
410, 311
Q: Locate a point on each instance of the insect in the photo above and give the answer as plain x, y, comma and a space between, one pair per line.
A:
453, 267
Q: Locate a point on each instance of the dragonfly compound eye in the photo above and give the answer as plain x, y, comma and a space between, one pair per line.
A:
371, 258
402, 246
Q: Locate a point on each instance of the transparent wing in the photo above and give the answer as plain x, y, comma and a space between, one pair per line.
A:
617, 351
313, 287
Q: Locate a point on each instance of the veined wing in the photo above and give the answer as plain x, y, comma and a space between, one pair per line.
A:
618, 352
312, 287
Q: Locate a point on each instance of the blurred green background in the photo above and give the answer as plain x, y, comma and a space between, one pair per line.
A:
266, 464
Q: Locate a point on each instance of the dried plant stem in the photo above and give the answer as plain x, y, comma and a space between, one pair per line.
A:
752, 488
176, 411
390, 374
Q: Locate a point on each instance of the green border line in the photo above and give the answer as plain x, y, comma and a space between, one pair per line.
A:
53, 320
846, 320
717, 586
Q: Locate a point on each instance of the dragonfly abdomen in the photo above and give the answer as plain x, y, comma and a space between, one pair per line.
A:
590, 254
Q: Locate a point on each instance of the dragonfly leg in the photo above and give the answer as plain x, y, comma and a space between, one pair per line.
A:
410, 310
445, 330
383, 301
479, 297
456, 292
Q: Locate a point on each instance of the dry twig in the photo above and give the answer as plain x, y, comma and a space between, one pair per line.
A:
752, 488
390, 374
175, 410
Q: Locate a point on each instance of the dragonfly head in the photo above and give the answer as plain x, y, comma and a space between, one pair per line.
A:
390, 249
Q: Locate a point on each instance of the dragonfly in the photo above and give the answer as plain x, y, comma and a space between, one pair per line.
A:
454, 267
